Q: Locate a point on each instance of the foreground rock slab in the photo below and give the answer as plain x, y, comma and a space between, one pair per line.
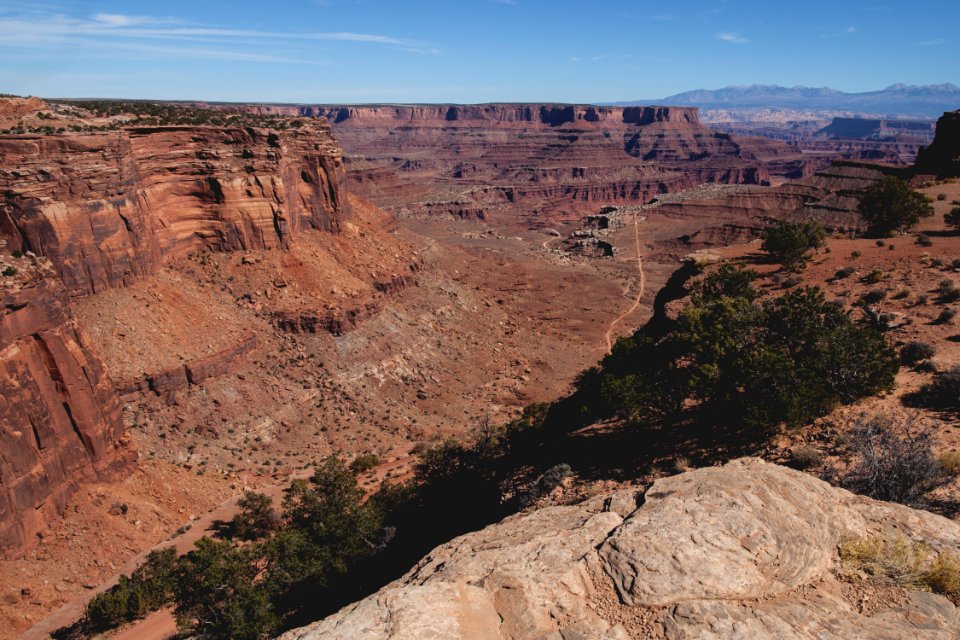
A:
748, 550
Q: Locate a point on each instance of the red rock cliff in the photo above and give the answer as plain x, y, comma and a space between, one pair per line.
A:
942, 157
108, 207
60, 423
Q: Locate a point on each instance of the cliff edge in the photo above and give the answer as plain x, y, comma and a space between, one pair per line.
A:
748, 550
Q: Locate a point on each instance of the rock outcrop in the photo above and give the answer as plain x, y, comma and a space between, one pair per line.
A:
60, 423
942, 157
748, 550
109, 207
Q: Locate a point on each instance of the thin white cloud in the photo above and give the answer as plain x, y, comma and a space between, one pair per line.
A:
24, 30
850, 30
733, 38
119, 20
931, 43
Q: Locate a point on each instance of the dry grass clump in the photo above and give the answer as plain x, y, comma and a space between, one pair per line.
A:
951, 462
903, 563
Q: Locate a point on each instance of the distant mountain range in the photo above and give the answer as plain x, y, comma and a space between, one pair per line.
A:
898, 99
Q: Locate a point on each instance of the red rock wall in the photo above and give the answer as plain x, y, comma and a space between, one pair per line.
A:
60, 422
108, 208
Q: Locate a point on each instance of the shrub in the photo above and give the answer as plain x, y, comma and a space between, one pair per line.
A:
846, 272
955, 264
952, 218
9, 271
941, 197
256, 518
876, 275
16, 253
944, 391
727, 281
364, 462
855, 254
903, 563
913, 352
805, 457
147, 589
890, 467
924, 240
948, 291
946, 316
944, 577
881, 243
790, 243
901, 294
951, 462
896, 562
891, 205
874, 296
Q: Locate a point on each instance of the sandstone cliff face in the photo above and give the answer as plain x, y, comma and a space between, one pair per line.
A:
60, 423
743, 551
108, 208
942, 157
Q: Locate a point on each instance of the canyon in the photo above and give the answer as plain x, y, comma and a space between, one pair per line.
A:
225, 305
539, 164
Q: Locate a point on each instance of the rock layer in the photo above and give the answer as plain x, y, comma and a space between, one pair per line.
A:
536, 161
107, 208
743, 551
60, 423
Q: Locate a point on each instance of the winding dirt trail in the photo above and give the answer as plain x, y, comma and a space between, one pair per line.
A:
608, 336
555, 235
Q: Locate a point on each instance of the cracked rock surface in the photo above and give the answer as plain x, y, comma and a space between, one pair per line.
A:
747, 550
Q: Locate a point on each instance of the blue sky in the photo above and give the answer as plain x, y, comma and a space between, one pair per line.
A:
467, 50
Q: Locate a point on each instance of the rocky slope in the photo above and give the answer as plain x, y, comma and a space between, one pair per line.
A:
108, 208
748, 550
60, 423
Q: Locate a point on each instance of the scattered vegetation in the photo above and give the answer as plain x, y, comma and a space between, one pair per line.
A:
903, 563
730, 360
891, 206
149, 588
791, 243
9, 271
888, 466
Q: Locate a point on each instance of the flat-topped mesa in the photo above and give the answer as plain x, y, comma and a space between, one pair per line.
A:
942, 157
60, 422
108, 207
548, 114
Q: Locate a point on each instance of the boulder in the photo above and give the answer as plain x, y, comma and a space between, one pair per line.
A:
747, 550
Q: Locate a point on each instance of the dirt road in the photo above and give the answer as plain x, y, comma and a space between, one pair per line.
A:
643, 285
